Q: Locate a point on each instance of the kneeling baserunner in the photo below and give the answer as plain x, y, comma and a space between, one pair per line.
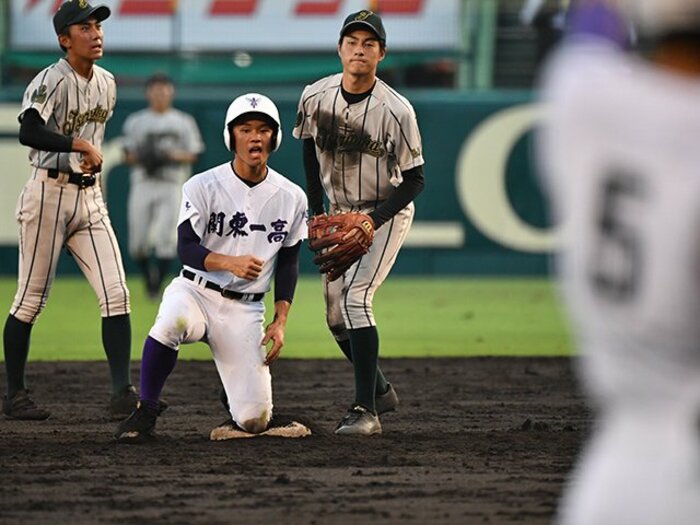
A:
241, 225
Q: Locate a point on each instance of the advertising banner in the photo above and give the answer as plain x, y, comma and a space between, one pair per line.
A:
248, 25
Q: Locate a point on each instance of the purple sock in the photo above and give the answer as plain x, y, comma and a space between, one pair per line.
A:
157, 362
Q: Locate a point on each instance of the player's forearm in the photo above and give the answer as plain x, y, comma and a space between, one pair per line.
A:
412, 184
282, 308
130, 158
314, 189
287, 273
182, 156
215, 262
33, 133
189, 249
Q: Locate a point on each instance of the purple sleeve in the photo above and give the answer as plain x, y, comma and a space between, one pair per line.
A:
599, 19
189, 249
287, 273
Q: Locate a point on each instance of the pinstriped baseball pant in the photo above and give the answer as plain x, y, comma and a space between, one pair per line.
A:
51, 214
349, 299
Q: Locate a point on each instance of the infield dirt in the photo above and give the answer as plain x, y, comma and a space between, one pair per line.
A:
475, 440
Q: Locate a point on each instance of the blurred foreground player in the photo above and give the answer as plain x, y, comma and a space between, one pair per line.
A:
621, 159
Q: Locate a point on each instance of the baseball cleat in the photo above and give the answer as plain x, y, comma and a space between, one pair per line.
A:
386, 402
21, 406
359, 422
123, 403
139, 426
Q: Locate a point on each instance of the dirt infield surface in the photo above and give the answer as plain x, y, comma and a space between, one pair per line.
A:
479, 440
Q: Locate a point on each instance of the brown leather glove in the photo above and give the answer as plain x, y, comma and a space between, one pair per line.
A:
339, 241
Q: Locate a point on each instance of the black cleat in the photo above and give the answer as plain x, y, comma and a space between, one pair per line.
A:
21, 406
123, 403
386, 402
359, 422
139, 426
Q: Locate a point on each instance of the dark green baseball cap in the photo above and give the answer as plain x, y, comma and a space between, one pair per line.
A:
365, 19
76, 11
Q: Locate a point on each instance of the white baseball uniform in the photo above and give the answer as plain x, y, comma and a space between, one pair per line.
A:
52, 211
152, 197
362, 149
234, 219
622, 166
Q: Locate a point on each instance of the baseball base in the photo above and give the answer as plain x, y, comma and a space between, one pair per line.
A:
292, 430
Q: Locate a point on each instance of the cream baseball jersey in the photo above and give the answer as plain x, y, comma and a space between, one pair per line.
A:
232, 218
362, 148
70, 105
628, 197
167, 131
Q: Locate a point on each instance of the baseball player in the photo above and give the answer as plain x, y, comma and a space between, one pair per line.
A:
64, 111
362, 148
241, 225
161, 143
620, 158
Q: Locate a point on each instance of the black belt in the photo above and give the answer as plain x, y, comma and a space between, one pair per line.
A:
229, 294
82, 180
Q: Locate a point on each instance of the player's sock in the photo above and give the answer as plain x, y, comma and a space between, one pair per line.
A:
16, 345
365, 352
382, 384
157, 362
116, 339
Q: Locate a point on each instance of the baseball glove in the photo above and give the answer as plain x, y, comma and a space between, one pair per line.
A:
152, 159
339, 241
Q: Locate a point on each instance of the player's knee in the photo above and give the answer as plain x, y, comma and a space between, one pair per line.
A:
29, 306
358, 314
171, 331
27, 313
116, 300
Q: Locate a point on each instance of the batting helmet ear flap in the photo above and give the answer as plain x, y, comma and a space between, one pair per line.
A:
253, 103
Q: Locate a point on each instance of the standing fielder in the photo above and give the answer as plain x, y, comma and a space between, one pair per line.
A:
362, 148
161, 143
620, 154
241, 226
63, 118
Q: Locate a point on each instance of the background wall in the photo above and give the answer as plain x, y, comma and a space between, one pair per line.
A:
481, 212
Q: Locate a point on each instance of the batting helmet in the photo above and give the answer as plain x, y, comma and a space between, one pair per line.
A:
251, 105
657, 17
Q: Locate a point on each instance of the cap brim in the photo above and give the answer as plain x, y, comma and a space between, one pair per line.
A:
100, 12
359, 24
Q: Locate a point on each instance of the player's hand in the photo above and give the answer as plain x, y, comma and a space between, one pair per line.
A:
245, 266
91, 158
275, 333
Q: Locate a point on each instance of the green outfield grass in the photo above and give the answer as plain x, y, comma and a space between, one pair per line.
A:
416, 316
